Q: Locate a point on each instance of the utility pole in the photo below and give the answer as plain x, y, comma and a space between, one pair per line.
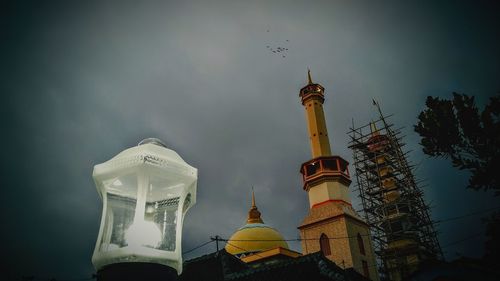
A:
216, 239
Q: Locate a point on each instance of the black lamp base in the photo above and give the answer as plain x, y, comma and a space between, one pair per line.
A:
136, 271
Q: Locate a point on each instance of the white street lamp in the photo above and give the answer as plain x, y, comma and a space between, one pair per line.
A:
146, 191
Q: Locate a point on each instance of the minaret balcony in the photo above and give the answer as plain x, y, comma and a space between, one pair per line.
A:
324, 168
310, 91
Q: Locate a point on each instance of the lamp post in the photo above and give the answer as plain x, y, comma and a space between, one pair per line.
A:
146, 191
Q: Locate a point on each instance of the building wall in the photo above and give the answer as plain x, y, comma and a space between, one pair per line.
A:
337, 222
354, 227
333, 228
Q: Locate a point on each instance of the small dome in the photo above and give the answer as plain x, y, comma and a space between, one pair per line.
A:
239, 243
254, 236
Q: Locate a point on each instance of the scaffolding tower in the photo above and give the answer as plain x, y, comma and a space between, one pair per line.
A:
392, 199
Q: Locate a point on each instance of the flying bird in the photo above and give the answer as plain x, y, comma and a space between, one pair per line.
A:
280, 49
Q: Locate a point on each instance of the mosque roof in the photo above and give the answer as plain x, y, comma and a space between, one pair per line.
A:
221, 266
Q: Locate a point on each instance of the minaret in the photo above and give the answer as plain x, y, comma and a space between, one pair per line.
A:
332, 225
326, 173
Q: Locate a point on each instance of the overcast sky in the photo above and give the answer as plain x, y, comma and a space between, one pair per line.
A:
81, 81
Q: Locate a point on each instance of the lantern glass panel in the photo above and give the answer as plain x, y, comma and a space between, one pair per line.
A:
162, 205
121, 196
142, 212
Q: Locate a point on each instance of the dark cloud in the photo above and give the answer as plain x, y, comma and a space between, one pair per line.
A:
81, 81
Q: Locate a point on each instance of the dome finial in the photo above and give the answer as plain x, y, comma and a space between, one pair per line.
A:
254, 214
309, 79
373, 129
253, 199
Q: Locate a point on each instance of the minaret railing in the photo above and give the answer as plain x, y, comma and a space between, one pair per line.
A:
324, 167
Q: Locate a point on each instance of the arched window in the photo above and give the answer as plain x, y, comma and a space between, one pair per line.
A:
361, 244
324, 244
366, 272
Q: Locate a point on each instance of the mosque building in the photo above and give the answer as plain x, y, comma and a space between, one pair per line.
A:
336, 243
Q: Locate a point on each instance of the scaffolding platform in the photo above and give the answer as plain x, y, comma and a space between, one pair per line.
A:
392, 200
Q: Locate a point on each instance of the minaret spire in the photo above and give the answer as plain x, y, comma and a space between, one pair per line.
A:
312, 97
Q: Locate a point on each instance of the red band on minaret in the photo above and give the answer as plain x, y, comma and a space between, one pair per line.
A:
331, 200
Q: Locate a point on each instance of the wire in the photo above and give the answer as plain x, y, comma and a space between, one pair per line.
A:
468, 215
463, 239
296, 239
79, 279
93, 276
349, 237
197, 247
241, 248
33, 278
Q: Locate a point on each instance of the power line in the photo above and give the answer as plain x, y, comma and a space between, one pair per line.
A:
197, 247
79, 279
257, 254
33, 278
218, 238
291, 240
469, 214
349, 237
288, 240
463, 239
93, 276
241, 248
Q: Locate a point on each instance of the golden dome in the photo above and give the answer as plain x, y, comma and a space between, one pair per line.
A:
243, 241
